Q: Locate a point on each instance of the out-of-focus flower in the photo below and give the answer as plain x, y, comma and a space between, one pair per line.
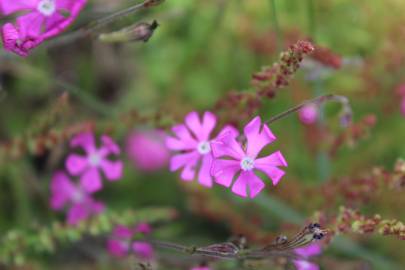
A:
41, 19
306, 252
201, 268
231, 158
308, 114
147, 149
403, 106
66, 194
192, 141
121, 242
88, 166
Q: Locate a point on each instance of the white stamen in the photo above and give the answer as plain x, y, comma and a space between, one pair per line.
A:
94, 159
247, 163
46, 7
204, 148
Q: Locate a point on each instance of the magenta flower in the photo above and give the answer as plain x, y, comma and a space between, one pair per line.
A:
121, 242
15, 42
147, 150
308, 114
231, 159
201, 268
88, 166
41, 19
192, 141
403, 106
307, 252
66, 194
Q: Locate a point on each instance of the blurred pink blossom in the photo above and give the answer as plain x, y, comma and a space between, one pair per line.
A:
41, 19
95, 159
192, 144
201, 268
403, 106
306, 252
147, 149
121, 243
308, 114
231, 159
66, 194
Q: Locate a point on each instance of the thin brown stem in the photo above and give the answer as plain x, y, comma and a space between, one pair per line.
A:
346, 111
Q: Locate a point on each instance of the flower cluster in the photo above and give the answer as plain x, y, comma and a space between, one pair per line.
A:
122, 242
87, 167
223, 159
40, 20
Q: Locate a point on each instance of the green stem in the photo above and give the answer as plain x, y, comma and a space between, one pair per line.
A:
276, 24
311, 19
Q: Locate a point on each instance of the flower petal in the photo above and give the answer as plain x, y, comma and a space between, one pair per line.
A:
226, 145
204, 175
117, 248
62, 190
84, 140
275, 159
77, 213
76, 164
109, 146
257, 138
255, 185
305, 265
122, 232
248, 179
143, 250
274, 173
11, 6
309, 251
112, 169
183, 135
202, 130
228, 129
240, 185
90, 180
30, 25
224, 171
188, 161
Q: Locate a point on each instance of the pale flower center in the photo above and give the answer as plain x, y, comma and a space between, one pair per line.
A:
204, 148
46, 7
94, 159
77, 197
247, 163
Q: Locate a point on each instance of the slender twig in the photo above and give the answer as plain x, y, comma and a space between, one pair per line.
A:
276, 24
230, 250
317, 101
102, 22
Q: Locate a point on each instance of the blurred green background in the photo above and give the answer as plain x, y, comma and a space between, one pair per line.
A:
202, 50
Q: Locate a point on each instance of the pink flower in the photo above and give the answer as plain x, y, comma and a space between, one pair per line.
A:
403, 106
308, 114
88, 166
15, 42
192, 141
307, 252
201, 268
65, 193
120, 244
231, 159
41, 19
147, 150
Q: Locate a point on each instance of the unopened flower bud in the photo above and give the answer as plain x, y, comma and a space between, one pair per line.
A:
139, 32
